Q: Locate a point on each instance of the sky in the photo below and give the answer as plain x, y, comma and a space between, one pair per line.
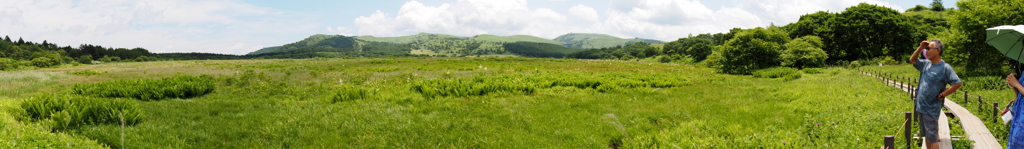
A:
243, 26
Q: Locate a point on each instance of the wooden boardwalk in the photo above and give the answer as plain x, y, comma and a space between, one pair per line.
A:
973, 127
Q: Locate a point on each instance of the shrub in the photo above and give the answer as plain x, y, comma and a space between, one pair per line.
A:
804, 52
86, 72
608, 88
985, 83
107, 58
777, 72
85, 59
150, 89
8, 64
813, 70
664, 59
749, 50
349, 93
43, 62
476, 87
855, 64
62, 112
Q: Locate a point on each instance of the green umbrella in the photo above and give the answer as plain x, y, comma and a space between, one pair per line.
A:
1007, 39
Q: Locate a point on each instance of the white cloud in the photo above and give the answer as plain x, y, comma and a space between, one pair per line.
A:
160, 26
787, 11
465, 18
668, 19
658, 19
584, 12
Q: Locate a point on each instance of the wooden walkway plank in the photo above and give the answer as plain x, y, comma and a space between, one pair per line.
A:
974, 128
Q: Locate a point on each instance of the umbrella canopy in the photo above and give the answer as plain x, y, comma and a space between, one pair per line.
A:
1007, 39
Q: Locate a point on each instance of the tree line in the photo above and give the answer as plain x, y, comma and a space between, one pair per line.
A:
20, 53
864, 33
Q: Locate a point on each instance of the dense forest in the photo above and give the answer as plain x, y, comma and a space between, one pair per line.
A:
861, 34
533, 49
21, 53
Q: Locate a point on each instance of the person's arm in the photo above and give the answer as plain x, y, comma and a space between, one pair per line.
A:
913, 57
950, 90
1012, 81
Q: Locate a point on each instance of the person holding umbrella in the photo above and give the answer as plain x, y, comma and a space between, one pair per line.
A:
1007, 39
935, 75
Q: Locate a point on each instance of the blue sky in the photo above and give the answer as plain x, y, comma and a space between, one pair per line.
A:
242, 26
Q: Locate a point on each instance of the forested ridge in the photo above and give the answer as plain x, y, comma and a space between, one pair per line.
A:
20, 53
864, 34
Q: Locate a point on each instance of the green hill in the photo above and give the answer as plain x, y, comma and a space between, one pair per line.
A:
334, 46
528, 38
593, 41
443, 45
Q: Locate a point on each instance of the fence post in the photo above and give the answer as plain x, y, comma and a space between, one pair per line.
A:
903, 86
889, 141
995, 112
906, 129
965, 98
910, 90
980, 102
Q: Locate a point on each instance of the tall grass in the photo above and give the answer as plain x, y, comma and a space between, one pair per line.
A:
63, 112
34, 135
513, 103
349, 93
462, 87
23, 83
150, 89
778, 72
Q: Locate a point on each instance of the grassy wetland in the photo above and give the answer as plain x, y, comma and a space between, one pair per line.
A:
440, 103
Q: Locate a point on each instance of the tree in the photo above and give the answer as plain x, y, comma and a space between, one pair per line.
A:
8, 64
699, 51
809, 24
85, 59
42, 62
804, 52
20, 41
917, 8
867, 31
7, 38
937, 5
965, 40
685, 46
750, 50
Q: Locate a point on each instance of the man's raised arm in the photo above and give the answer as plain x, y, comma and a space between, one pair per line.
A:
913, 57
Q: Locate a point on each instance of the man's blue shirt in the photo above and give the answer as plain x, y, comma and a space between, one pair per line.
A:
934, 78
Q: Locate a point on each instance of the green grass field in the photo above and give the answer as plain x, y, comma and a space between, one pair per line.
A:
467, 103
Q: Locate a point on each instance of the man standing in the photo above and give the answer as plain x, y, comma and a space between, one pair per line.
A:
935, 75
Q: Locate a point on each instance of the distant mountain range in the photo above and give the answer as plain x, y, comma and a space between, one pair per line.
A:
450, 45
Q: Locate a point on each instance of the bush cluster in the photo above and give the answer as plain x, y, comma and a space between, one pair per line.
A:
985, 83
349, 93
778, 72
62, 112
478, 86
86, 72
813, 70
150, 89
616, 81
